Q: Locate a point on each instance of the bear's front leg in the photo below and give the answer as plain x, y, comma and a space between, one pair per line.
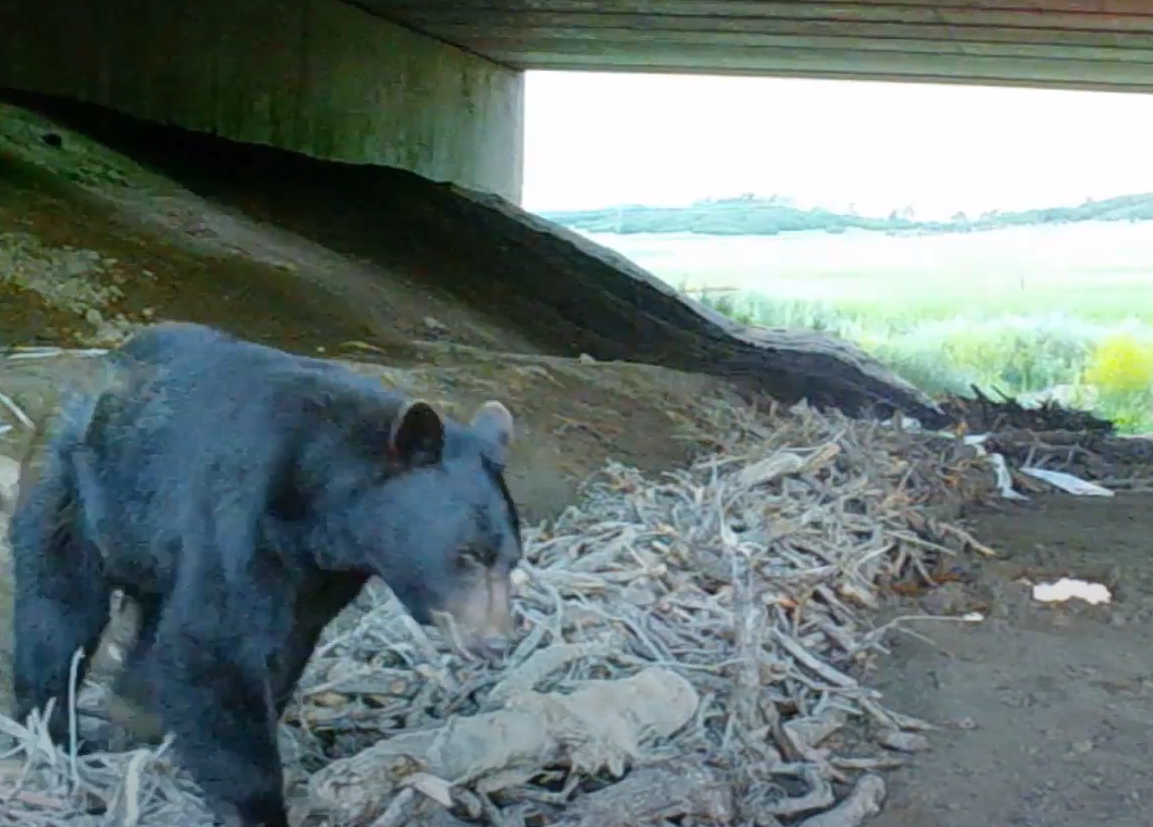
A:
210, 681
315, 609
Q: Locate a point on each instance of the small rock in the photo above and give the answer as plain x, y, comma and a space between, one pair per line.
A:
947, 599
76, 267
962, 723
585, 359
93, 317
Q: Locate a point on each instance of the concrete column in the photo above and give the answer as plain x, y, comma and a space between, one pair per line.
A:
319, 77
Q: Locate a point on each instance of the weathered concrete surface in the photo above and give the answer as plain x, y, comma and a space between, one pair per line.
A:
319, 77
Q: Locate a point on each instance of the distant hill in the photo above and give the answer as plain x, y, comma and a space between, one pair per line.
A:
749, 215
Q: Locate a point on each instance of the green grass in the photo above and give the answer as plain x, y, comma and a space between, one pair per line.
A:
1061, 310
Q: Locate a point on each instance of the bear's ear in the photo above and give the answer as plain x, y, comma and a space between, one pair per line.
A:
417, 435
493, 422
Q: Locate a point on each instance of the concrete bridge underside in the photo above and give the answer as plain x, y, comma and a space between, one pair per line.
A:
1092, 44
435, 86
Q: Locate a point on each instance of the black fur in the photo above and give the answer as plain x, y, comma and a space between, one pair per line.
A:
242, 496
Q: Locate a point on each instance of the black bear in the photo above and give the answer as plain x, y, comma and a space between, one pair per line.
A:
242, 496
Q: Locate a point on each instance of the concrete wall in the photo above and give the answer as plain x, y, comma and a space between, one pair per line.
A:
317, 76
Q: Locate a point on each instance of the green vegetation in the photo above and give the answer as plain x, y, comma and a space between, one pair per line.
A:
1104, 367
1066, 311
750, 215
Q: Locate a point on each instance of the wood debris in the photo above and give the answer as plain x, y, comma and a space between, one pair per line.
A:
691, 647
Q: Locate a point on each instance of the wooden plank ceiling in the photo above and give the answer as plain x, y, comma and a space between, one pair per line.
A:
1079, 44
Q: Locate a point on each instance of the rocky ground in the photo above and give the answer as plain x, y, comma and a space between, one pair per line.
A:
1046, 713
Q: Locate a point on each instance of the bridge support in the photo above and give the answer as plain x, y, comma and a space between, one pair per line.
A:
321, 77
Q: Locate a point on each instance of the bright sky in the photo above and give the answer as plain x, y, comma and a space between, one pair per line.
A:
596, 140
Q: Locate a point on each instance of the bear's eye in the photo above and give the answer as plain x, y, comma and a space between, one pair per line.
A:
476, 555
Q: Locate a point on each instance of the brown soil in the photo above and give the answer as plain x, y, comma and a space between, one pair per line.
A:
1047, 711
1060, 699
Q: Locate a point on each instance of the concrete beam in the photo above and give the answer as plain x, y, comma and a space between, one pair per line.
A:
1072, 44
320, 77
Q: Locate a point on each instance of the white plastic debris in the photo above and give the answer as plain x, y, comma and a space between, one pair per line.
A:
906, 423
1068, 589
1000, 467
1067, 482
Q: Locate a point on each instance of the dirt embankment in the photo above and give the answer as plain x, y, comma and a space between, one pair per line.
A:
92, 244
558, 292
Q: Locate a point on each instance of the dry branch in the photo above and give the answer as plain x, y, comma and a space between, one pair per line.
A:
722, 611
601, 726
862, 803
674, 789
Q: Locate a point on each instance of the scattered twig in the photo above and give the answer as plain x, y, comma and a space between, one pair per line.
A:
862, 803
678, 788
718, 611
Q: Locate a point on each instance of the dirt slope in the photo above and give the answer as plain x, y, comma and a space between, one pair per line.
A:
559, 291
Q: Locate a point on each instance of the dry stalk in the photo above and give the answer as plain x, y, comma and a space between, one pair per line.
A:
718, 612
